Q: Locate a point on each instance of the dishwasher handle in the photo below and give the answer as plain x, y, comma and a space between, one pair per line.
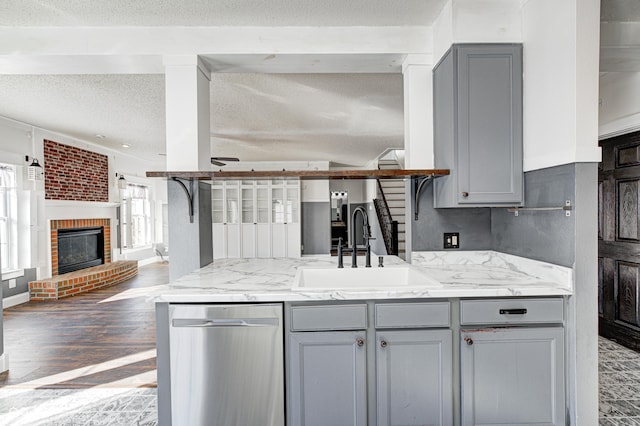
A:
226, 322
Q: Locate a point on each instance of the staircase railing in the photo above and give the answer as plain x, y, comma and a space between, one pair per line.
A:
388, 226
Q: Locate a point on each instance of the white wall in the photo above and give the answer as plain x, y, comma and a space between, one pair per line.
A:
619, 105
560, 68
473, 21
20, 139
561, 82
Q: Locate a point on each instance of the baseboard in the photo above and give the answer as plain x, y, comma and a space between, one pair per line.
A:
151, 260
4, 362
17, 299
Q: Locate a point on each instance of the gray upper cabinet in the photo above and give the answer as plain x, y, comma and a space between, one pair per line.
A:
477, 92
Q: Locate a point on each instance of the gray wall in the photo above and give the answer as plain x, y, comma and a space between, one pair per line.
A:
316, 227
473, 224
191, 242
22, 283
377, 245
542, 235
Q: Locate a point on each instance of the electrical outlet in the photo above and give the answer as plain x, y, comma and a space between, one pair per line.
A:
12, 283
451, 240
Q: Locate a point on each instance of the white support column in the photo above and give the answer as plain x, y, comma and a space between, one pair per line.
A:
418, 111
188, 149
188, 113
418, 127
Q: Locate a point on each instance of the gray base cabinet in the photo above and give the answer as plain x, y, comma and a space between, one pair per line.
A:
477, 92
413, 370
515, 374
328, 379
380, 364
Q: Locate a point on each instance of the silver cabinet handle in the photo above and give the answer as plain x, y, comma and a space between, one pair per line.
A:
469, 340
383, 343
224, 322
360, 341
465, 194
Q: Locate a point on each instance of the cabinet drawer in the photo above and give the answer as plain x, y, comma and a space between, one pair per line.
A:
412, 315
328, 317
511, 311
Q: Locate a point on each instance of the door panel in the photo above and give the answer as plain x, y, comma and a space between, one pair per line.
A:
627, 299
619, 239
628, 210
327, 379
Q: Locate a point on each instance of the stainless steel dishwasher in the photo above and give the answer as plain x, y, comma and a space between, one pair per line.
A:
227, 365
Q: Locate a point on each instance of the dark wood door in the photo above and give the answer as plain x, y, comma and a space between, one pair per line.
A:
619, 239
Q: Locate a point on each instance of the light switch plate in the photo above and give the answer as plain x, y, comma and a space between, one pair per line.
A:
451, 240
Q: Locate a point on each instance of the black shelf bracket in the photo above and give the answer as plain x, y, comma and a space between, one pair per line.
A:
189, 193
419, 183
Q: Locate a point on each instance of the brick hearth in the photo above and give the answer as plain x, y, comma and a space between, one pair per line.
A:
84, 280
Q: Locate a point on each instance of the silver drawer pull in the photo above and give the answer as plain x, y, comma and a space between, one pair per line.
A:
513, 311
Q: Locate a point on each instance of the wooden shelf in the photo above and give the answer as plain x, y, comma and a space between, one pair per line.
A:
301, 174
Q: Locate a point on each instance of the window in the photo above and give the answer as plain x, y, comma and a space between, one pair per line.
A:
8, 218
136, 217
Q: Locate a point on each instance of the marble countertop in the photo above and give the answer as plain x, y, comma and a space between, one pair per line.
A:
458, 273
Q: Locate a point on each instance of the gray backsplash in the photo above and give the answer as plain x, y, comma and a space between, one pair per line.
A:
473, 224
542, 235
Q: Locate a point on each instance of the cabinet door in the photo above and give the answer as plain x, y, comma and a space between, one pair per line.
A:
263, 240
279, 240
293, 239
489, 124
478, 125
249, 240
219, 241
233, 240
414, 377
513, 376
327, 379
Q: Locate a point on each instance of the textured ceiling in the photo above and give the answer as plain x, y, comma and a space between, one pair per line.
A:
344, 118
218, 12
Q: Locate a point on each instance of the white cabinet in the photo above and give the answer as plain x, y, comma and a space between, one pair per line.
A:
225, 202
256, 218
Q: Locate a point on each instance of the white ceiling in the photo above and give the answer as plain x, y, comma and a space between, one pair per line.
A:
218, 12
347, 118
344, 117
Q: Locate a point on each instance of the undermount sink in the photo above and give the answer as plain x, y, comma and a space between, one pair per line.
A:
402, 277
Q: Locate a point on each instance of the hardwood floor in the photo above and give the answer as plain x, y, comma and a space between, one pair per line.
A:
102, 338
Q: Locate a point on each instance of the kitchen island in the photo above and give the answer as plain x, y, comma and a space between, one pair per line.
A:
482, 342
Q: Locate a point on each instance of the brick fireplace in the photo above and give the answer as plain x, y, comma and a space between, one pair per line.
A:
78, 224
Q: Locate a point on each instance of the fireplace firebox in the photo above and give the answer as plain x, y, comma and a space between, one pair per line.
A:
80, 248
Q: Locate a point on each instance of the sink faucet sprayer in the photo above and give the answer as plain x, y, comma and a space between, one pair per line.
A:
366, 235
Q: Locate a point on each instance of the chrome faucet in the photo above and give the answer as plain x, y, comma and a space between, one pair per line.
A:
366, 235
